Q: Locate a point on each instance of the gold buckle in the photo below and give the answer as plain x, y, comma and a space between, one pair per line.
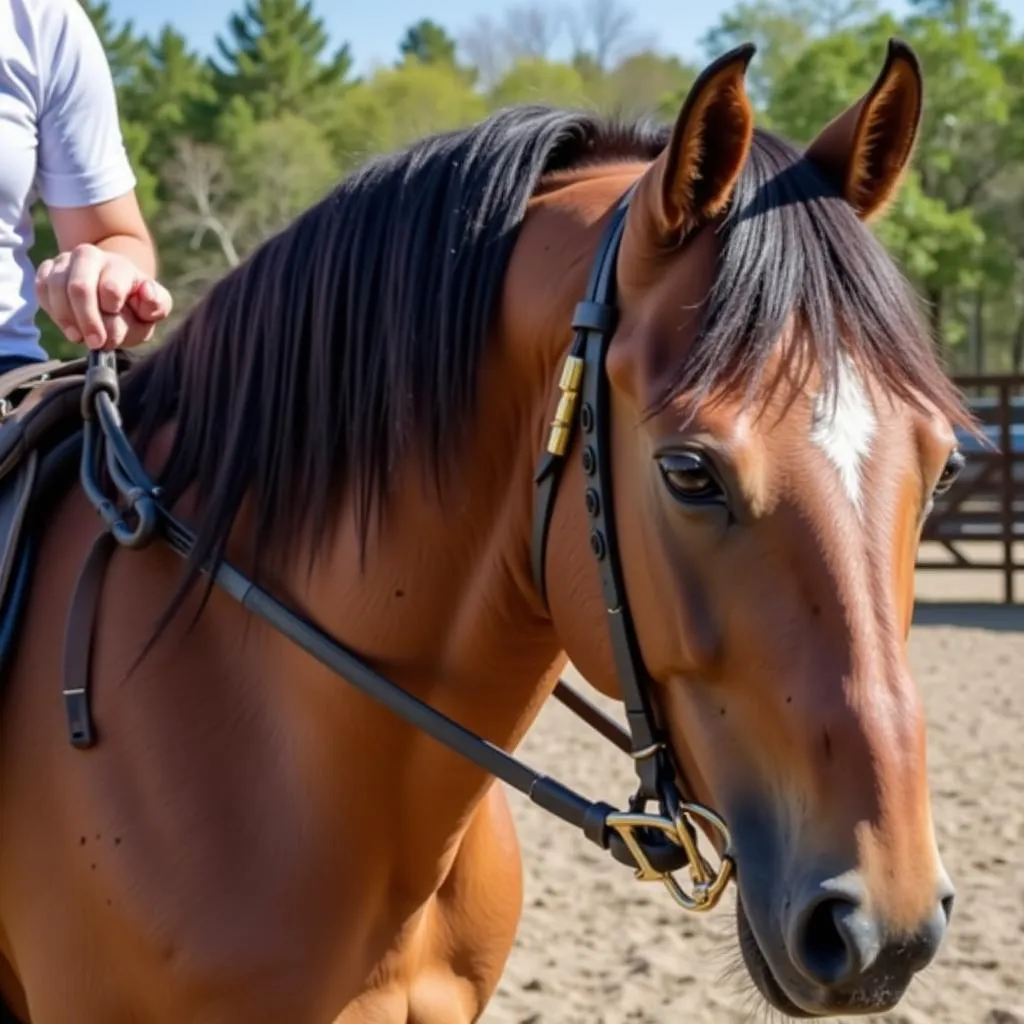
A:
708, 884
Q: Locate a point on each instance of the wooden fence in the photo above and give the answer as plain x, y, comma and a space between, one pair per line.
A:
985, 509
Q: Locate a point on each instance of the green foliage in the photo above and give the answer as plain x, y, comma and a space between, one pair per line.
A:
274, 56
825, 77
397, 105
532, 80
123, 47
280, 167
428, 43
645, 84
937, 247
948, 228
780, 30
228, 149
137, 140
172, 93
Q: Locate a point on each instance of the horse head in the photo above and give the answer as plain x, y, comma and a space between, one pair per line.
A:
779, 425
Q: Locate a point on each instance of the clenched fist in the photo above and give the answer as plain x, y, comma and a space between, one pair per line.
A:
101, 298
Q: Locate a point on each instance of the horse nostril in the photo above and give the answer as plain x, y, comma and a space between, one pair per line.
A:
832, 942
947, 896
947, 906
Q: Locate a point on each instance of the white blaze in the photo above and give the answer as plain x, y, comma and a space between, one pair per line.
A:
843, 426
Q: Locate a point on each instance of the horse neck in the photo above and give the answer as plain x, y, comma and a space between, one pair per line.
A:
443, 600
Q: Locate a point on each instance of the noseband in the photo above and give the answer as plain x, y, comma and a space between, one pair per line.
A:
655, 845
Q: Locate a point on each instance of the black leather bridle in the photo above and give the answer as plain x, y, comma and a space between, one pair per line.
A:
656, 845
584, 395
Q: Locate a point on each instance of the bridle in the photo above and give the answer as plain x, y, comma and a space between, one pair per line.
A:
656, 845
663, 843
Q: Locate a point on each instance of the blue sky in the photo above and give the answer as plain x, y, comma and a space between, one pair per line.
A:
374, 28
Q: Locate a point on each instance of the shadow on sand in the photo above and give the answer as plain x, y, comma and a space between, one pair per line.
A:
999, 618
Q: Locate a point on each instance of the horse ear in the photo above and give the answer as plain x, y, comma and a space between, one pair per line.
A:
867, 148
693, 178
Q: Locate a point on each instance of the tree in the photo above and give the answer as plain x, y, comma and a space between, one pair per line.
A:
279, 169
540, 81
645, 84
937, 248
955, 11
781, 30
526, 32
428, 42
172, 94
275, 58
124, 49
224, 203
824, 77
200, 223
531, 30
227, 150
940, 230
485, 50
602, 30
397, 105
970, 139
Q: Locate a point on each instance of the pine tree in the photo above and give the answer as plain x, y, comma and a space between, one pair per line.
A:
275, 58
172, 93
123, 48
428, 42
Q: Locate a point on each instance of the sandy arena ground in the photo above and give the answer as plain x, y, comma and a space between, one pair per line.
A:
595, 947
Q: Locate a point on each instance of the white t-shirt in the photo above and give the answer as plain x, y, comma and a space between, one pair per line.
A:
60, 140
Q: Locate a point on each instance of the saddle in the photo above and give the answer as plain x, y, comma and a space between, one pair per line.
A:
40, 446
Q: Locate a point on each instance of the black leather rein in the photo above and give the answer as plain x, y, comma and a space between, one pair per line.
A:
655, 845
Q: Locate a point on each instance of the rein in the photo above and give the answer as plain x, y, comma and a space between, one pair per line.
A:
655, 845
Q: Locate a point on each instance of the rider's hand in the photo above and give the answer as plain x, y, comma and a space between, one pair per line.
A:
101, 298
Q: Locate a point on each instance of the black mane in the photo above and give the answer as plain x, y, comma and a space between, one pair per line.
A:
794, 253
304, 373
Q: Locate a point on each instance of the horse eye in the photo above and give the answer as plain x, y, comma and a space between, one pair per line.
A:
689, 477
950, 472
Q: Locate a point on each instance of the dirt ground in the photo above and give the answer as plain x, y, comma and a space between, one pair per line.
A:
597, 947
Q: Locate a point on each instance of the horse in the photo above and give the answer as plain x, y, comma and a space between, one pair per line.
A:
649, 398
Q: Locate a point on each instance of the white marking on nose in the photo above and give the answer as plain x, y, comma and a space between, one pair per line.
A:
843, 426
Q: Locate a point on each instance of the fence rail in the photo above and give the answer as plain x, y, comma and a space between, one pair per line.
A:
986, 505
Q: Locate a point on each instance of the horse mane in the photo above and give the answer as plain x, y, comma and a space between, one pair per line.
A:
305, 373
793, 254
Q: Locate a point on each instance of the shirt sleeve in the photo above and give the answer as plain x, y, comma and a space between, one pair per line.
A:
81, 159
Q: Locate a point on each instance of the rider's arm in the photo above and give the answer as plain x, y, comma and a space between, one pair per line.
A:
84, 175
101, 287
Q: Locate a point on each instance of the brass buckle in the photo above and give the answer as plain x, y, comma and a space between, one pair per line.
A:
708, 884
